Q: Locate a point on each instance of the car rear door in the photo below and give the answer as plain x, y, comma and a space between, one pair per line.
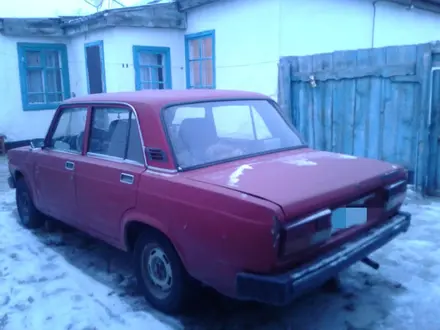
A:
108, 177
55, 165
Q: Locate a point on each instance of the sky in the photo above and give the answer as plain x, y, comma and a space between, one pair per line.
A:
53, 8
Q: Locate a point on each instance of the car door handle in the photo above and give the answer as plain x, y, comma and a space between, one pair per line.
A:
127, 178
69, 166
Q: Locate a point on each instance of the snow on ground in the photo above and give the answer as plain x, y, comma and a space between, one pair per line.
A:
45, 283
65, 280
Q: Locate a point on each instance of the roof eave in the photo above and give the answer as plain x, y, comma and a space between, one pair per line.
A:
429, 5
149, 16
184, 5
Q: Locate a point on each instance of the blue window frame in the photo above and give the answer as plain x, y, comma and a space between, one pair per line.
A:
200, 59
152, 66
44, 75
95, 71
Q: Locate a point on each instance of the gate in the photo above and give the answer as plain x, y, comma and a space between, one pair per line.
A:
369, 103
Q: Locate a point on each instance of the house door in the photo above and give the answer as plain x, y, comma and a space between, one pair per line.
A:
95, 67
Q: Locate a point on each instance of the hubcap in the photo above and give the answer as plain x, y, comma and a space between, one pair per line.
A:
23, 207
157, 272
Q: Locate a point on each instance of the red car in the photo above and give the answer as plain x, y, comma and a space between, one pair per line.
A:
208, 187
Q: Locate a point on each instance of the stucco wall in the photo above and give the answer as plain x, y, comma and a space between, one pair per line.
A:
118, 56
14, 122
246, 42
252, 35
118, 42
320, 26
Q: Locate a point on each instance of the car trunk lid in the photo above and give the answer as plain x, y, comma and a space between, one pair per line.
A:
306, 183
300, 181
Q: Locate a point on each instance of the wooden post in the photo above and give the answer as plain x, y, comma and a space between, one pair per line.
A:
284, 89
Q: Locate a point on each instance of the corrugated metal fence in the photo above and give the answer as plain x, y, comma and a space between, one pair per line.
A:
377, 103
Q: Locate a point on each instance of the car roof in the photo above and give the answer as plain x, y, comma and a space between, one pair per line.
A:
160, 98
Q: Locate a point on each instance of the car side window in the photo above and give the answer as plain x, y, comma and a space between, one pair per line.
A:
69, 131
115, 133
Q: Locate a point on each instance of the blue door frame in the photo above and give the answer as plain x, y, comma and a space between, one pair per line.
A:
100, 44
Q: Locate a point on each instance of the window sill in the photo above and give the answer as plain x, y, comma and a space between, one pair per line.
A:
40, 107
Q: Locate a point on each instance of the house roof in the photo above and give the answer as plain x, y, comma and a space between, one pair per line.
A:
157, 99
159, 14
155, 14
183, 5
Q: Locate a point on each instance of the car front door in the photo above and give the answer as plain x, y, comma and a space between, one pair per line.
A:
108, 176
55, 165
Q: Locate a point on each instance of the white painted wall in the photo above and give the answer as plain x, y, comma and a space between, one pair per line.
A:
396, 25
246, 42
330, 25
14, 122
118, 50
252, 35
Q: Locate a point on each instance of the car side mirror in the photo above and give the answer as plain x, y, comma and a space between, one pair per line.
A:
37, 143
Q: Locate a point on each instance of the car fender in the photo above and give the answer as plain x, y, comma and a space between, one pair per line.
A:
134, 215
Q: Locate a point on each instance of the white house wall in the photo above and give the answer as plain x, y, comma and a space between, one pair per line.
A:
14, 122
118, 50
403, 26
322, 26
118, 56
252, 35
246, 42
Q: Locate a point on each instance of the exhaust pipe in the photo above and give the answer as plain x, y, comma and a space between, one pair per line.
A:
373, 264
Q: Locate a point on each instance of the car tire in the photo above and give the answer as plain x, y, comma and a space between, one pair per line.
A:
160, 274
29, 216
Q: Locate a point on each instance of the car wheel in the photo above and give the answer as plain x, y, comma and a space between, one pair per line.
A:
29, 216
161, 275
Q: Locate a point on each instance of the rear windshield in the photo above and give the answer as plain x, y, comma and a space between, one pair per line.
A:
209, 132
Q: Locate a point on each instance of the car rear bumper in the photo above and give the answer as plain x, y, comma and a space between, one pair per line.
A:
283, 288
11, 182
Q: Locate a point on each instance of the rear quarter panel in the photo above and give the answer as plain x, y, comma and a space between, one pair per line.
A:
216, 231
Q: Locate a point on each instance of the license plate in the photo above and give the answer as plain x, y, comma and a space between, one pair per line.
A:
347, 217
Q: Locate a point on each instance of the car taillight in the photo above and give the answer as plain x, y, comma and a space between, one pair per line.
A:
313, 229
395, 194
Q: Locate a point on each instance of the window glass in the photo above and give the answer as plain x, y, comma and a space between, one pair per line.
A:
214, 131
42, 67
69, 132
188, 112
200, 68
241, 121
115, 133
152, 67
